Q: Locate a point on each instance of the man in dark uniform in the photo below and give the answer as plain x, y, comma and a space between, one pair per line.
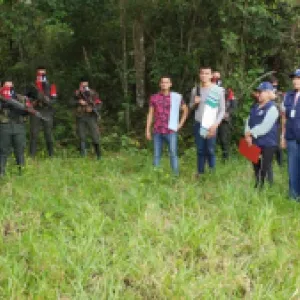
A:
224, 131
12, 127
278, 102
43, 96
87, 104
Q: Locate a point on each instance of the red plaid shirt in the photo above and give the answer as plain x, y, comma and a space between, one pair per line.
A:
161, 105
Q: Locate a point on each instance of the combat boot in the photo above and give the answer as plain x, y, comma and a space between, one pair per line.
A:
82, 149
97, 151
2, 165
50, 149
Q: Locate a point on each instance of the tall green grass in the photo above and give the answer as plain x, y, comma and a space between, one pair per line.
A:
118, 229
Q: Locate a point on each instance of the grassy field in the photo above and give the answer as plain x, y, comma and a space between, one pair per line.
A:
117, 229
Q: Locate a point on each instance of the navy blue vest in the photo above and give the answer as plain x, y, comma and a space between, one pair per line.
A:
292, 131
257, 116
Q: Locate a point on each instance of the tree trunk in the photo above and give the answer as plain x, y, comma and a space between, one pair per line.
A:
124, 78
139, 60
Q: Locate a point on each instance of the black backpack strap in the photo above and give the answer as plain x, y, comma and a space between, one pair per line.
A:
198, 92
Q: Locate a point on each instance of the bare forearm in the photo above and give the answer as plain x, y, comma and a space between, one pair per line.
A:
149, 121
183, 118
283, 121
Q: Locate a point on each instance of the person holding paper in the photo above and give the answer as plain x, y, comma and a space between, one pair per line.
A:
208, 101
165, 109
290, 136
262, 130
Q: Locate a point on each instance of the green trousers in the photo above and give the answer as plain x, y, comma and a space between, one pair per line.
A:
224, 138
85, 124
12, 137
36, 125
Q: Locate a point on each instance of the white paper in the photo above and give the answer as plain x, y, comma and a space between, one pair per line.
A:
209, 116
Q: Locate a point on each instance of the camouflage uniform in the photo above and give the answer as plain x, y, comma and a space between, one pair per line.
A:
224, 130
42, 102
87, 119
12, 133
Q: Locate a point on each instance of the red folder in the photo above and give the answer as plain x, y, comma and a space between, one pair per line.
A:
252, 153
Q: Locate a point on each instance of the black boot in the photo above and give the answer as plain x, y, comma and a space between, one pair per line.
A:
50, 149
20, 170
33, 148
97, 151
2, 165
20, 159
82, 149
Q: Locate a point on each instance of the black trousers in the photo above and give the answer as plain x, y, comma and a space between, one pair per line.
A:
85, 124
12, 136
88, 124
35, 126
224, 137
279, 156
264, 166
279, 159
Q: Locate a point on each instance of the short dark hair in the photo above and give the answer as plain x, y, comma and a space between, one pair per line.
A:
206, 67
84, 79
165, 76
41, 68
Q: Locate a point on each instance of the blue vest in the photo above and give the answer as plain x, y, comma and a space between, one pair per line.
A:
257, 116
292, 129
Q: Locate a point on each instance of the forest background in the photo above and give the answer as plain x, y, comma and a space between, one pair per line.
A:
124, 46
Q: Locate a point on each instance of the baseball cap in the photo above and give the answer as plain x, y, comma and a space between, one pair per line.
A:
265, 86
295, 74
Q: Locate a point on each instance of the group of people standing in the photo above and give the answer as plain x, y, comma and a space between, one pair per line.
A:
273, 124
38, 102
209, 101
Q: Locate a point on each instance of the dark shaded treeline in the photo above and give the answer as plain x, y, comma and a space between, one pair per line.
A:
124, 46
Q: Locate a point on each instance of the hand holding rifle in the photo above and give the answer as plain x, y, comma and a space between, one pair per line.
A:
23, 107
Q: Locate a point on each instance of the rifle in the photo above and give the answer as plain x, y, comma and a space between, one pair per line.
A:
40, 95
87, 97
17, 105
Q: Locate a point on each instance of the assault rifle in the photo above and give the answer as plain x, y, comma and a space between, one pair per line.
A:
41, 96
86, 95
18, 105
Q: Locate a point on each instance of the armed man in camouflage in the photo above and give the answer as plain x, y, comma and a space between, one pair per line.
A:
224, 130
87, 104
43, 96
13, 109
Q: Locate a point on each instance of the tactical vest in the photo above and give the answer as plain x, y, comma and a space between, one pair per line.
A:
292, 131
88, 109
257, 115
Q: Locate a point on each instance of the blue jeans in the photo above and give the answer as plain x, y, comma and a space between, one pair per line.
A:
293, 149
171, 140
206, 149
